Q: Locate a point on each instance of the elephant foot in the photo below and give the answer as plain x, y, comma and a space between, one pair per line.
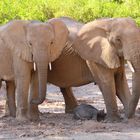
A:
9, 113
70, 100
22, 118
69, 110
130, 115
33, 113
33, 116
21, 115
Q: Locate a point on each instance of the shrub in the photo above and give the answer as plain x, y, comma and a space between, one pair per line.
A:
78, 9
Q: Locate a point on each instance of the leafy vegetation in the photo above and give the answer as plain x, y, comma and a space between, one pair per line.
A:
82, 10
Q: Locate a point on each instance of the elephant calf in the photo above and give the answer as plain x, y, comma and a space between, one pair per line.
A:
26, 49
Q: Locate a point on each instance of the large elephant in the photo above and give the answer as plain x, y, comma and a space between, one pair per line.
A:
70, 70
26, 48
105, 44
123, 34
97, 54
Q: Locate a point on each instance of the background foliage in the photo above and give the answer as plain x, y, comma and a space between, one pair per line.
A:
82, 10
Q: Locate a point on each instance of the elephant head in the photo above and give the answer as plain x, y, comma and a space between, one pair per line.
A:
104, 41
92, 44
38, 43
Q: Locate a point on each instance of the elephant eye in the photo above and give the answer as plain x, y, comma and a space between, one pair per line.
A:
51, 42
118, 39
118, 42
30, 43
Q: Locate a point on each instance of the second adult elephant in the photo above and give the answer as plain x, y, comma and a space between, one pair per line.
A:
22, 44
105, 44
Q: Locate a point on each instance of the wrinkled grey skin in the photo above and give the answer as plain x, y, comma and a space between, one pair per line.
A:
88, 112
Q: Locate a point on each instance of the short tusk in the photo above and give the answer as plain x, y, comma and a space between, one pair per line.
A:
34, 66
130, 66
50, 66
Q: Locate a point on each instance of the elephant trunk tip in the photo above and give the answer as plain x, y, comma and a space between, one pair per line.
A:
37, 101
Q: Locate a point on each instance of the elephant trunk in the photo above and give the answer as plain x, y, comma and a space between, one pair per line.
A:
135, 93
42, 67
132, 53
135, 89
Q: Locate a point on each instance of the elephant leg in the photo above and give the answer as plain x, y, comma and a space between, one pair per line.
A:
70, 100
105, 79
10, 102
22, 71
22, 98
33, 111
122, 91
108, 91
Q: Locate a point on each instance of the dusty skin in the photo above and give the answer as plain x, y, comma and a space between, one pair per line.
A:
56, 125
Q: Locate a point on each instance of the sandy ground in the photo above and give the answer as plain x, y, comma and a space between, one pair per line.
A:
56, 125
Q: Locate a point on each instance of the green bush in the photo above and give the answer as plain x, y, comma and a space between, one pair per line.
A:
82, 10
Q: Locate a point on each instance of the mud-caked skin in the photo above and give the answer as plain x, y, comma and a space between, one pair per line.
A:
88, 112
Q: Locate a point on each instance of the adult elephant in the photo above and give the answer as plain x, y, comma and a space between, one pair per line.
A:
96, 53
24, 44
105, 44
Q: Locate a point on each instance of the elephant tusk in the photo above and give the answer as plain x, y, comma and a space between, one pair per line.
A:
50, 66
130, 66
34, 66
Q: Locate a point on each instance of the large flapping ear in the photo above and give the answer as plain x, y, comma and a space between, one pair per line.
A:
92, 44
73, 27
60, 37
109, 55
14, 36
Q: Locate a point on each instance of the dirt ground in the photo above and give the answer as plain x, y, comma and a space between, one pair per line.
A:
56, 125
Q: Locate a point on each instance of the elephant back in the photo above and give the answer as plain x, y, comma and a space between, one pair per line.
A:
73, 27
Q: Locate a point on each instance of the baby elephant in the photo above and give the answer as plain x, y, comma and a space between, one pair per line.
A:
87, 112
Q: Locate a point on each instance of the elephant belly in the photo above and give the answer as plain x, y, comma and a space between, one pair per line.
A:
69, 71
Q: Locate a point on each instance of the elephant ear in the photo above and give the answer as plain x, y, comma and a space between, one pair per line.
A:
14, 36
60, 37
92, 44
108, 54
